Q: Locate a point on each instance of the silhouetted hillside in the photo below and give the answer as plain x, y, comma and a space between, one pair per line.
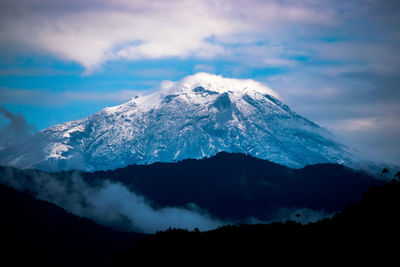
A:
369, 229
236, 186
38, 233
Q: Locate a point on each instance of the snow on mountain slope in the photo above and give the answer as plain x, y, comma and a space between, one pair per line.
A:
193, 118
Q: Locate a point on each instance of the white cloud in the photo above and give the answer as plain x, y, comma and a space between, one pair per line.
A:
92, 32
215, 83
91, 36
109, 203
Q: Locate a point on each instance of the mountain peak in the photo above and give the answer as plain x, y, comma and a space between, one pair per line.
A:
215, 83
197, 86
195, 117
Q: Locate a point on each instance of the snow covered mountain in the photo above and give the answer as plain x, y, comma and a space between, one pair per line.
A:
194, 118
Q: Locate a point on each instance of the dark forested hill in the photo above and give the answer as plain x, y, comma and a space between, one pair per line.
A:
232, 188
38, 233
367, 231
237, 186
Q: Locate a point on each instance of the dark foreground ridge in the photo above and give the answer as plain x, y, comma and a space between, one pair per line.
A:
37, 233
367, 230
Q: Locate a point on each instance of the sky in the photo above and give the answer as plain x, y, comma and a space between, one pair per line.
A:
335, 62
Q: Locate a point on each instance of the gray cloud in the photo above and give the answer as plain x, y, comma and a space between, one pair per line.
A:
14, 129
107, 203
17, 135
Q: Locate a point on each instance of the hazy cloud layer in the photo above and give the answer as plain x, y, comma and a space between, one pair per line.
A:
107, 203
